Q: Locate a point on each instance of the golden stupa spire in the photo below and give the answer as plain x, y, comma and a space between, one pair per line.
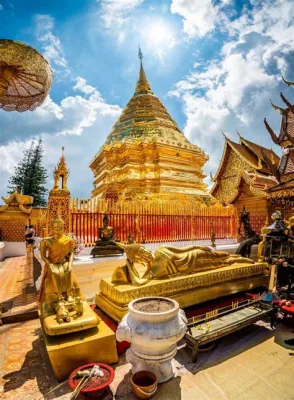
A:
143, 85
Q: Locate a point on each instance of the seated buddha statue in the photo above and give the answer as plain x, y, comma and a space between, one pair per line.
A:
106, 244
60, 297
169, 261
106, 232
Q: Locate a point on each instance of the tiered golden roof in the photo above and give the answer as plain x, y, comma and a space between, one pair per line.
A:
244, 163
146, 154
16, 202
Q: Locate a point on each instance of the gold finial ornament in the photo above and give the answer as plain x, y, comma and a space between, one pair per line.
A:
25, 76
140, 54
224, 135
277, 108
289, 83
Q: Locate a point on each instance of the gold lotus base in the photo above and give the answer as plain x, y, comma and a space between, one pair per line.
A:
187, 290
67, 352
88, 320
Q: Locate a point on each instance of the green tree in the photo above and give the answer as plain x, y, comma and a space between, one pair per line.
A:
30, 176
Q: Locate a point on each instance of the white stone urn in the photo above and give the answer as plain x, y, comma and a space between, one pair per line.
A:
153, 326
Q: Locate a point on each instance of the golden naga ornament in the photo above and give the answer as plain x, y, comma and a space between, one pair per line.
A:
25, 76
169, 261
63, 307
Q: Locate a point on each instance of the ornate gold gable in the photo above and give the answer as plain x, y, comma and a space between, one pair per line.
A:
14, 216
244, 162
16, 203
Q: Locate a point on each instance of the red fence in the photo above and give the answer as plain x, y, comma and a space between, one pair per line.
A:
147, 228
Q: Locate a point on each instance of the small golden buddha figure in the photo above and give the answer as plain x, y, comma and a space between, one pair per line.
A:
106, 244
169, 261
106, 232
61, 300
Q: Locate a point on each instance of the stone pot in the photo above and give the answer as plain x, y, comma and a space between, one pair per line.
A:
153, 335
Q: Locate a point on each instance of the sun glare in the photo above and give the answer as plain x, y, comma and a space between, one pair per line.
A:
159, 35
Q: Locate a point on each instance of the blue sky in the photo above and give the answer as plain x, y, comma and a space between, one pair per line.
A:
214, 64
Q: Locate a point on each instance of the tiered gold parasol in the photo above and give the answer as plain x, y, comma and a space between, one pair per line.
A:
25, 76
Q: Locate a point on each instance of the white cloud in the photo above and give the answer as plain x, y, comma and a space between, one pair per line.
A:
88, 121
199, 16
115, 13
233, 91
82, 86
1, 7
51, 45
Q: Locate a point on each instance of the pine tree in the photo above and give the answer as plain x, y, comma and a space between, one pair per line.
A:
21, 172
30, 176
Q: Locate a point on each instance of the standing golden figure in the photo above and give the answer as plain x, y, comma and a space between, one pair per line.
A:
60, 297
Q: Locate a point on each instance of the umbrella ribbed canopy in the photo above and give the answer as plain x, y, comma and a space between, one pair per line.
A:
25, 76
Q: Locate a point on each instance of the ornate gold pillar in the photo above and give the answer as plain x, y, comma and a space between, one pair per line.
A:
59, 197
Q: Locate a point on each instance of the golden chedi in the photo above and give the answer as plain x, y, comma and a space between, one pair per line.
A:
63, 308
189, 275
146, 155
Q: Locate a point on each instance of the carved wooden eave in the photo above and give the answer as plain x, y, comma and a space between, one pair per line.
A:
282, 190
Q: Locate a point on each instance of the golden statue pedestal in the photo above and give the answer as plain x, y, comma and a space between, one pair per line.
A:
187, 290
67, 352
74, 335
52, 327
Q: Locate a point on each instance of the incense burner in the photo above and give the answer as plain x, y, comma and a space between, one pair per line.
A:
153, 334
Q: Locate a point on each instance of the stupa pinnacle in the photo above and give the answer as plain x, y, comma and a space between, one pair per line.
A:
146, 154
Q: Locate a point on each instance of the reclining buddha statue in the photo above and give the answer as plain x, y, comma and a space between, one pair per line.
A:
169, 261
63, 308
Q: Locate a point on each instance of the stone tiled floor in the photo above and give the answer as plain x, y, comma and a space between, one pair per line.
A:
249, 365
253, 364
17, 287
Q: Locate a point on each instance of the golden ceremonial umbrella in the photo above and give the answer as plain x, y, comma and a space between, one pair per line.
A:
25, 76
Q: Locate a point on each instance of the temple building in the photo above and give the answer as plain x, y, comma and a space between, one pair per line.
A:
147, 156
254, 177
244, 174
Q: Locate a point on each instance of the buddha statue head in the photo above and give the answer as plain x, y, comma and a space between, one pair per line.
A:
57, 227
105, 220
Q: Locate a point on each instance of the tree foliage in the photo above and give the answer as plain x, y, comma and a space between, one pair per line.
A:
30, 176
